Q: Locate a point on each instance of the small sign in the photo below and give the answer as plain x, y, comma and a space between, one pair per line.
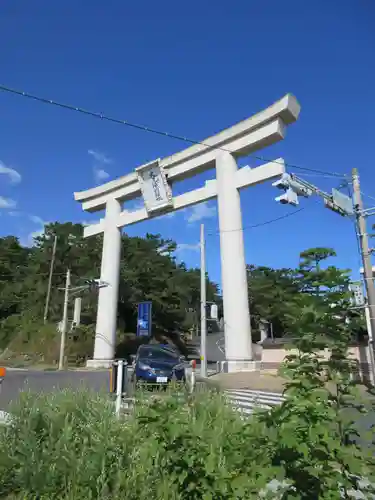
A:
144, 322
357, 291
156, 192
343, 202
214, 311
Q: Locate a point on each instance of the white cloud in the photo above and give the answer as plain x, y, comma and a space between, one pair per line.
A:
37, 232
34, 234
37, 220
135, 205
169, 215
201, 211
100, 174
190, 247
86, 223
14, 176
138, 203
28, 239
7, 202
100, 157
163, 250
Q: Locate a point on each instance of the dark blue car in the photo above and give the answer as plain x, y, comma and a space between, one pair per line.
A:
158, 364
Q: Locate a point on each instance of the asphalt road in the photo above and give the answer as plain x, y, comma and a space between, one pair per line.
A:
45, 381
16, 381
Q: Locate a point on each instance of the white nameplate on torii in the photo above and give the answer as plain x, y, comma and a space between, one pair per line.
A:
156, 192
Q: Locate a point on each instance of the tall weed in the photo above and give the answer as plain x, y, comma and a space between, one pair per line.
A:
69, 445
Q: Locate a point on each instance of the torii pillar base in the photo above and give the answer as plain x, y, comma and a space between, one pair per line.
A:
239, 365
95, 364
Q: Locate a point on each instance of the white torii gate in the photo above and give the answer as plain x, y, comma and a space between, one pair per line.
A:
153, 182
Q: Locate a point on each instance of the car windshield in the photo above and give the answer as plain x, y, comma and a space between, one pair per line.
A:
148, 352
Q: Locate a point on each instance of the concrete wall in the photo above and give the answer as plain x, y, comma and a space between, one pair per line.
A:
274, 356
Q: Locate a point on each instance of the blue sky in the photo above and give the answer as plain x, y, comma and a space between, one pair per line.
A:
191, 69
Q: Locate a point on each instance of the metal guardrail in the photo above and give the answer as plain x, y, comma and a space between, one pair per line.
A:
220, 344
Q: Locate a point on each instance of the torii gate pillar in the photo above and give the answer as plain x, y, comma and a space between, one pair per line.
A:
238, 346
153, 182
106, 319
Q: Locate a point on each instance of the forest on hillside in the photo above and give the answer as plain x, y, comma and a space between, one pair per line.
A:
149, 271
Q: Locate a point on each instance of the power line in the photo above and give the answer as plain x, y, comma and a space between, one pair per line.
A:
324, 175
259, 224
32, 274
101, 116
368, 196
271, 221
265, 223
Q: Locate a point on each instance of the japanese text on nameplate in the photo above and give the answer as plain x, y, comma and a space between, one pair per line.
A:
156, 186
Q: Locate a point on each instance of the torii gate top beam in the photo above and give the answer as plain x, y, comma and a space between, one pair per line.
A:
247, 136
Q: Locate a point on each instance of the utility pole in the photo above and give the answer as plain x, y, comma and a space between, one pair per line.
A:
64, 320
50, 280
365, 254
294, 186
203, 305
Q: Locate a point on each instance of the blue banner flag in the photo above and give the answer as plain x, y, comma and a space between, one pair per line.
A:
144, 322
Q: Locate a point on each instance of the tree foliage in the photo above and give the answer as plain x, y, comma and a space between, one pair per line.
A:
270, 291
149, 271
278, 295
315, 437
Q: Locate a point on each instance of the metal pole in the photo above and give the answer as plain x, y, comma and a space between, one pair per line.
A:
365, 253
192, 376
370, 343
45, 316
203, 305
120, 371
64, 321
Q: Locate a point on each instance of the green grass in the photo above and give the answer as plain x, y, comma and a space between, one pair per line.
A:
70, 446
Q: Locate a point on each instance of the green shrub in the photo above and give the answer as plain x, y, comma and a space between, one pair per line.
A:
199, 449
62, 445
32, 342
80, 344
70, 446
